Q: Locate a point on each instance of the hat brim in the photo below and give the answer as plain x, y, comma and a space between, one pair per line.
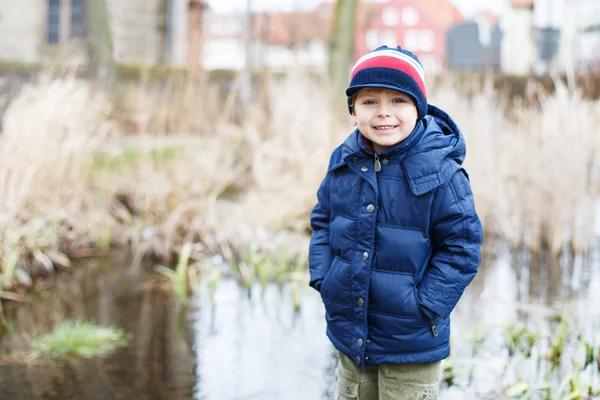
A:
351, 91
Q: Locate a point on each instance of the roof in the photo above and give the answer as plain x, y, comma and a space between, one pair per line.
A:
521, 3
442, 12
305, 26
288, 28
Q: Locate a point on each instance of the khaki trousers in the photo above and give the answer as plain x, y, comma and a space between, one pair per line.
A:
387, 381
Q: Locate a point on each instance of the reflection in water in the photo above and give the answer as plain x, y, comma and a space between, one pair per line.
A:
257, 347
156, 365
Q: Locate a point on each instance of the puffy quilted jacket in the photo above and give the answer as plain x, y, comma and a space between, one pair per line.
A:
391, 252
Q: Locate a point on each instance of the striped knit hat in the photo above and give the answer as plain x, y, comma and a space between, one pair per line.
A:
390, 68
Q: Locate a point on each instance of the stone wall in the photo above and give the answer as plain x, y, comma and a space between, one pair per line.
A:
22, 29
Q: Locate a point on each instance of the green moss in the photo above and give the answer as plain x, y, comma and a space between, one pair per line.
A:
83, 339
130, 157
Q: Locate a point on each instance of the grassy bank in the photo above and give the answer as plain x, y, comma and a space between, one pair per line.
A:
154, 167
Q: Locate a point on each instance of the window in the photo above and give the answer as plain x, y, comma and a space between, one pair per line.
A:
77, 19
410, 16
372, 39
426, 40
53, 31
390, 16
419, 40
411, 39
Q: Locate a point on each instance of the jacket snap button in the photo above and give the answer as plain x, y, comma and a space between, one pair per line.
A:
354, 159
357, 360
370, 208
385, 161
348, 389
364, 168
365, 256
361, 302
359, 342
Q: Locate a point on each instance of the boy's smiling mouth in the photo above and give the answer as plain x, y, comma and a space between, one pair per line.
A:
385, 127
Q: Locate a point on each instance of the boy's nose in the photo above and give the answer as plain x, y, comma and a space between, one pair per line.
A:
383, 111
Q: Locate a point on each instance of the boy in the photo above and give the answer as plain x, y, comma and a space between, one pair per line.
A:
396, 238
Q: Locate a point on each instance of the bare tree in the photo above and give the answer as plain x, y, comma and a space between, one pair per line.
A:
342, 42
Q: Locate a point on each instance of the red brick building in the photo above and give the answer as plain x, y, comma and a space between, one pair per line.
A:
420, 26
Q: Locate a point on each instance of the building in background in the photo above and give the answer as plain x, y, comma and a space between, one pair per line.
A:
519, 51
274, 41
281, 41
225, 41
475, 45
143, 31
587, 14
420, 26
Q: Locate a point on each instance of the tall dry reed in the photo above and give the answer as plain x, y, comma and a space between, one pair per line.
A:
50, 131
533, 168
250, 175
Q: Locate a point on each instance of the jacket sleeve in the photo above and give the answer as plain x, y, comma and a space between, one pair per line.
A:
319, 253
457, 237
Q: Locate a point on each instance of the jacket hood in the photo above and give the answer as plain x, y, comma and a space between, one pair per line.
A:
435, 139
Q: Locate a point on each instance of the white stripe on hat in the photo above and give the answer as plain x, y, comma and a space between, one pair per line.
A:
392, 53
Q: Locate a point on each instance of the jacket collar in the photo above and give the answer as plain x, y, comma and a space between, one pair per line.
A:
434, 138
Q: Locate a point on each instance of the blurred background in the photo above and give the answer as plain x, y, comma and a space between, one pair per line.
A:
159, 160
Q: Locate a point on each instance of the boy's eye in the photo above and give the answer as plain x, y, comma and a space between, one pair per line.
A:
369, 102
399, 100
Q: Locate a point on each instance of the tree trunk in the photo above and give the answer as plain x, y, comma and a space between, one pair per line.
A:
342, 43
100, 46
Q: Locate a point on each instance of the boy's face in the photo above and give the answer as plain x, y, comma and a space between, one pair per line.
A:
384, 116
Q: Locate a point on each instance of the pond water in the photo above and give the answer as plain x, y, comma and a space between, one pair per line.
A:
258, 347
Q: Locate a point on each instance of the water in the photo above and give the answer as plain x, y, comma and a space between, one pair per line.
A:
257, 347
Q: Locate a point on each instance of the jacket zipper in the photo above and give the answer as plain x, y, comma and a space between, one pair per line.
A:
377, 164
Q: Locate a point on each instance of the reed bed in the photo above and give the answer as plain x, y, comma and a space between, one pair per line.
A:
154, 167
534, 168
47, 207
555, 355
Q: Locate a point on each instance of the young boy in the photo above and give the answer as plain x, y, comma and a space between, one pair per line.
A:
396, 238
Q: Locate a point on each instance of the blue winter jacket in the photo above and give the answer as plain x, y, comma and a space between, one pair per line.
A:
391, 252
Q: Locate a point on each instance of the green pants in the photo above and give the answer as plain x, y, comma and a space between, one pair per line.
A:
387, 381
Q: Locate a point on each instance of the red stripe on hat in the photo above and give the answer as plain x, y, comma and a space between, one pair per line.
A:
394, 63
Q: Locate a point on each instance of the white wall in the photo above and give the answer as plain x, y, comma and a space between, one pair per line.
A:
587, 13
22, 29
589, 48
518, 51
311, 56
223, 53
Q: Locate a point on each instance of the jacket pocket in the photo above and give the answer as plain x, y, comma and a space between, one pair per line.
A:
424, 315
336, 284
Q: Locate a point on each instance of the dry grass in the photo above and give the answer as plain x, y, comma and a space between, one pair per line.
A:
49, 132
534, 173
228, 185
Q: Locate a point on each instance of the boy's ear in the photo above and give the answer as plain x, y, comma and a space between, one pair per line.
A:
353, 119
